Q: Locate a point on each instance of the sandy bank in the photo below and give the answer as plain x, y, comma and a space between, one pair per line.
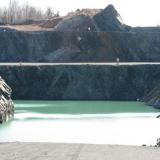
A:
51, 151
30, 28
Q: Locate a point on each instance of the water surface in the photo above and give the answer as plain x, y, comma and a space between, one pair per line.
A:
94, 122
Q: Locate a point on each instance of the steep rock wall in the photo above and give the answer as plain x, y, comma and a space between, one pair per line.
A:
79, 46
81, 82
153, 97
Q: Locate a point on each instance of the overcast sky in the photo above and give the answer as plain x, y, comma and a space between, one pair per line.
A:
133, 12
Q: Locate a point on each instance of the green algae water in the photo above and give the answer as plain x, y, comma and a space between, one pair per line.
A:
93, 122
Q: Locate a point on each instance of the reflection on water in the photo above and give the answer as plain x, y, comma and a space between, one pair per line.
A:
129, 123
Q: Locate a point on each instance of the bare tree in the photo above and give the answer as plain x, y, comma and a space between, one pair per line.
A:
3, 16
13, 6
49, 13
16, 14
56, 14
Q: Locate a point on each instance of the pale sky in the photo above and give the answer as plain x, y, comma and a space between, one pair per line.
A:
133, 12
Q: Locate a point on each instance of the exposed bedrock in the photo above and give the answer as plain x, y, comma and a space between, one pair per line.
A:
153, 97
53, 46
6, 104
109, 20
85, 36
81, 82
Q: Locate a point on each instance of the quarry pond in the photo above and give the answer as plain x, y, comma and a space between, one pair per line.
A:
93, 122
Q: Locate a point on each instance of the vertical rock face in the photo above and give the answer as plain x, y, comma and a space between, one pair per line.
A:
6, 104
153, 97
81, 82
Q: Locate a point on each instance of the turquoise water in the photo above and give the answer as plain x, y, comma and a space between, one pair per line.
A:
82, 107
94, 122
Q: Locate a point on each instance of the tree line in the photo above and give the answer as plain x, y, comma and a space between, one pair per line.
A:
18, 14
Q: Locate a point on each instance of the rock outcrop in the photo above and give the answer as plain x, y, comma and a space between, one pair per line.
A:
6, 104
153, 97
76, 23
54, 46
81, 82
106, 20
84, 36
109, 20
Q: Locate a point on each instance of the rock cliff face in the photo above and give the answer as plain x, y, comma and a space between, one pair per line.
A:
79, 46
82, 37
153, 97
6, 104
81, 82
87, 36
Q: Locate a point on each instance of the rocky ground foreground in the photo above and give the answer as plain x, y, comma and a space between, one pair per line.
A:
49, 151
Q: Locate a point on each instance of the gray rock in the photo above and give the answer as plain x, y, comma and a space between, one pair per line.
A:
6, 104
158, 116
109, 20
153, 97
84, 37
76, 23
81, 82
91, 47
